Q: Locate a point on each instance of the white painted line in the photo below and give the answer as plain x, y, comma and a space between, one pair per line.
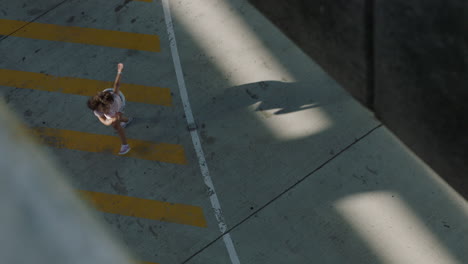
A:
195, 138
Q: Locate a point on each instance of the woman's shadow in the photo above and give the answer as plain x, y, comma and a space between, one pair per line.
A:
273, 96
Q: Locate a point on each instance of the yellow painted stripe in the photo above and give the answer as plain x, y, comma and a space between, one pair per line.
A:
82, 141
86, 87
92, 36
145, 208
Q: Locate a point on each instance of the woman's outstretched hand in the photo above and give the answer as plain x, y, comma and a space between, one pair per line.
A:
120, 67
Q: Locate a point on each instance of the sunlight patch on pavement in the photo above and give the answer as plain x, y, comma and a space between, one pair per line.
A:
229, 41
293, 125
391, 229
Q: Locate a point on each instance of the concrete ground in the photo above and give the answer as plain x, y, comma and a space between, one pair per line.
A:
303, 173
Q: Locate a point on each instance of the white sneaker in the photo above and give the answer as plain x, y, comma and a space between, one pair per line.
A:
125, 124
124, 149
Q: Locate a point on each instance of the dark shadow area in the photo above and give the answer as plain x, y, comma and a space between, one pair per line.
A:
421, 79
404, 60
281, 97
331, 32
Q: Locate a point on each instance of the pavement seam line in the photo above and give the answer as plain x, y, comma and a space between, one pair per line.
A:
287, 190
215, 204
29, 22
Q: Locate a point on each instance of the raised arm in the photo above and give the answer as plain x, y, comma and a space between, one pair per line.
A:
117, 78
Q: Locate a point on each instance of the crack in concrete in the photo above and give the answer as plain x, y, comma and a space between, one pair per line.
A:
284, 192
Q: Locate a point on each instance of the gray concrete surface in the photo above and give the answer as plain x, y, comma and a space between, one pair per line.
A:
295, 160
359, 208
149, 240
405, 60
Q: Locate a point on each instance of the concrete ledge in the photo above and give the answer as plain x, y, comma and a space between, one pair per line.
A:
42, 220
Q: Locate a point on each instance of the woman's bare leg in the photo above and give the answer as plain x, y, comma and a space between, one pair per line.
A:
121, 132
121, 117
124, 119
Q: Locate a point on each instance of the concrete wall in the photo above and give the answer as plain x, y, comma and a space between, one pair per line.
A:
421, 80
331, 32
404, 59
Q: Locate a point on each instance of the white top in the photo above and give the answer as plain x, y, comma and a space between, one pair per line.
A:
114, 108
